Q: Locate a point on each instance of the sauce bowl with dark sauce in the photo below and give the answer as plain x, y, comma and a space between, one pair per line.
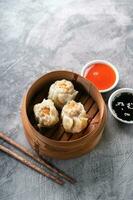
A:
121, 105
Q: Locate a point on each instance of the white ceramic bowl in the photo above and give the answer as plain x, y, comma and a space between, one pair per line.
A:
87, 65
111, 99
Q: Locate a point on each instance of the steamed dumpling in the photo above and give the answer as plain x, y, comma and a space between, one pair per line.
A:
74, 118
46, 113
61, 92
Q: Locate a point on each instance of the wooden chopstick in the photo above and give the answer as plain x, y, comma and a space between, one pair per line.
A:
44, 162
31, 165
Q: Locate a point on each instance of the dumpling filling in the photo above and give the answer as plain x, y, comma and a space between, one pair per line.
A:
61, 92
74, 118
46, 113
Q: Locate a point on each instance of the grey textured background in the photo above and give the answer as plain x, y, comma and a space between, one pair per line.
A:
37, 36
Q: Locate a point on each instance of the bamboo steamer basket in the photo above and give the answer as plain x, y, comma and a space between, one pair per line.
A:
55, 142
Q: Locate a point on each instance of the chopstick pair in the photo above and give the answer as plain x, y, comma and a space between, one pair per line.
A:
59, 173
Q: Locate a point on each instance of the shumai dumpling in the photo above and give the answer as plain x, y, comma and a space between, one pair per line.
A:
46, 113
74, 118
61, 92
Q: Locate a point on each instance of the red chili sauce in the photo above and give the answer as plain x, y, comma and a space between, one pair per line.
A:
102, 75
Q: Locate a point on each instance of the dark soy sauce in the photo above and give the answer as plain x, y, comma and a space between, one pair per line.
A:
123, 106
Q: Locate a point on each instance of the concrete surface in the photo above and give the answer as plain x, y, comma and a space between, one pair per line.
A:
37, 36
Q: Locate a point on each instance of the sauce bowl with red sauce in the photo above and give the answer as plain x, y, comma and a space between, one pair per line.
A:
102, 73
